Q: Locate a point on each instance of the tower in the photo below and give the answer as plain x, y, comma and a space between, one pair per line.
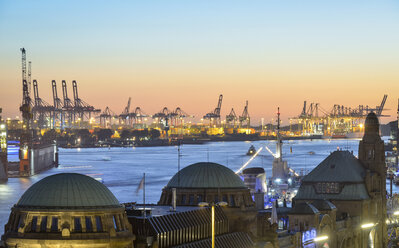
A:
372, 156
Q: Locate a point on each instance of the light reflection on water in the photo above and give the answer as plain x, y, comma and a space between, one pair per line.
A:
123, 168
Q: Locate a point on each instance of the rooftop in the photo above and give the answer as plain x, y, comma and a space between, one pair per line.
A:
206, 175
68, 190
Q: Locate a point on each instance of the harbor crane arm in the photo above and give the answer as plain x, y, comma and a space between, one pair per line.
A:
381, 107
217, 110
245, 114
126, 111
36, 93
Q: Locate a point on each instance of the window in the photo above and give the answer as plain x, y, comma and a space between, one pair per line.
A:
327, 188
191, 200
183, 199
16, 223
54, 224
20, 222
34, 224
216, 198
77, 224
43, 224
115, 223
99, 224
199, 198
89, 226
225, 198
232, 201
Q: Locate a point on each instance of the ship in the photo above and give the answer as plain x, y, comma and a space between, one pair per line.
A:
251, 151
284, 182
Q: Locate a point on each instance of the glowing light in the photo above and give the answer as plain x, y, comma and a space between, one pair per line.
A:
321, 238
367, 225
267, 148
278, 180
249, 161
396, 213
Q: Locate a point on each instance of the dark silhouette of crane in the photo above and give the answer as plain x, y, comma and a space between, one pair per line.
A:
58, 114
68, 107
214, 117
106, 117
231, 118
81, 108
244, 117
124, 116
177, 116
42, 111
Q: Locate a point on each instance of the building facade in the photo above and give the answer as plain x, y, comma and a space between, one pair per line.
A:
344, 197
68, 210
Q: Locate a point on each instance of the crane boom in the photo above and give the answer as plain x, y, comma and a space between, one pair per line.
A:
381, 107
217, 110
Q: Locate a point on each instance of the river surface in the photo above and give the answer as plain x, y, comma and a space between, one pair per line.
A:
121, 169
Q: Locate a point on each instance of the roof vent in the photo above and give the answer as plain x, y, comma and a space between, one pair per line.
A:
332, 166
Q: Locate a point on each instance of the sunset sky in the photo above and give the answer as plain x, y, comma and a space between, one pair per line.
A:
185, 53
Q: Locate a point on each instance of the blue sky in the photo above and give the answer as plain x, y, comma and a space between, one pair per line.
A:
159, 51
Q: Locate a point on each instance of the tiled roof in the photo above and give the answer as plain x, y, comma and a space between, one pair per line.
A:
339, 166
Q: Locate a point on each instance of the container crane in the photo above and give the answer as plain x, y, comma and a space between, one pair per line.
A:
231, 118
106, 117
214, 117
244, 117
68, 108
42, 111
124, 116
58, 113
81, 108
178, 114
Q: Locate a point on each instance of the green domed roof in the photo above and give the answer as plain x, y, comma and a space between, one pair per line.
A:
206, 175
68, 190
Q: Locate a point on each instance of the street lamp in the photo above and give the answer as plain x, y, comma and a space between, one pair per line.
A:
372, 227
213, 225
316, 239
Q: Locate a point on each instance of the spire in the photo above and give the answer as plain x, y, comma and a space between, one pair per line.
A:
279, 144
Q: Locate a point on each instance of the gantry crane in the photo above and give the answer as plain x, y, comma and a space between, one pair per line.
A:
244, 117
42, 111
58, 114
124, 116
81, 108
231, 118
177, 116
68, 107
339, 121
106, 117
214, 117
138, 115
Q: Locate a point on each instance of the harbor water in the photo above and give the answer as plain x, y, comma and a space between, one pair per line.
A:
121, 169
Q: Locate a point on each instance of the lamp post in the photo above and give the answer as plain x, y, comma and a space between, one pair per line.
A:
213, 225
